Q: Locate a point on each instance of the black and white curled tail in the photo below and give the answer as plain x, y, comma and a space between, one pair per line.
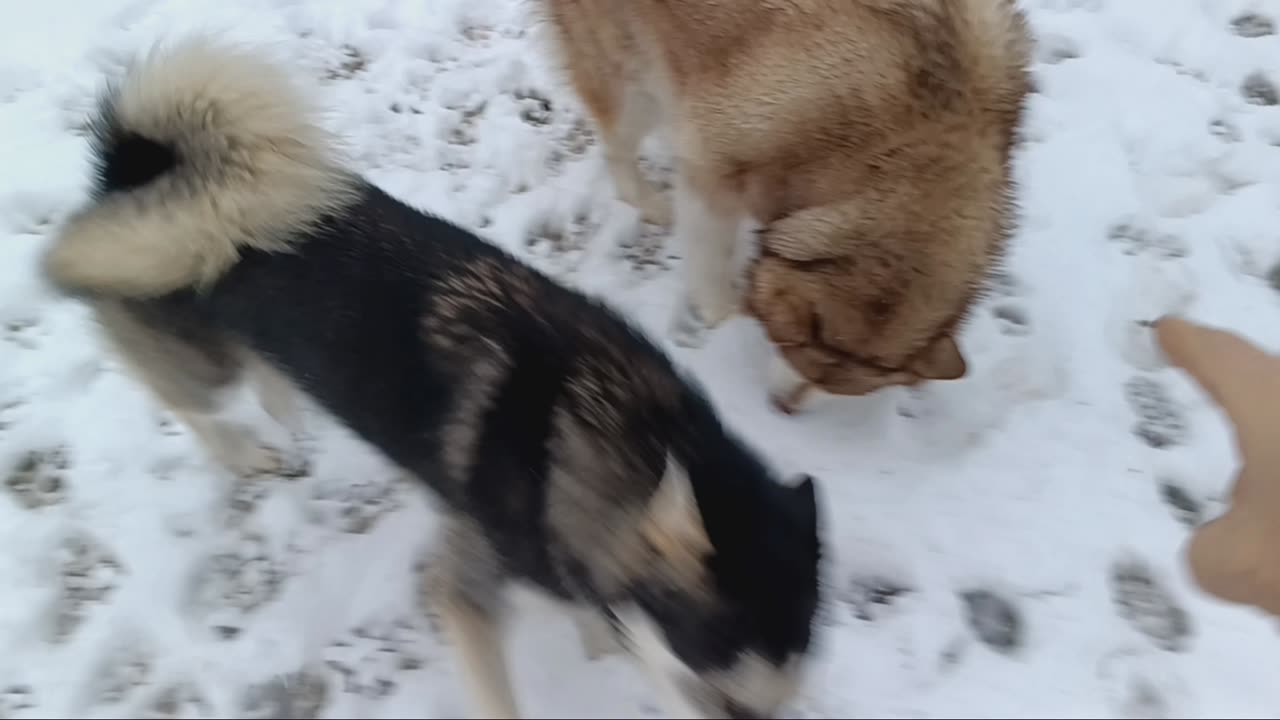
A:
200, 151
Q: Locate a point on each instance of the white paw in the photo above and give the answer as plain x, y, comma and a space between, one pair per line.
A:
787, 389
686, 327
654, 208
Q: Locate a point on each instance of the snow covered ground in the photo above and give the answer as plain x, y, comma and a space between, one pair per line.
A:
1000, 546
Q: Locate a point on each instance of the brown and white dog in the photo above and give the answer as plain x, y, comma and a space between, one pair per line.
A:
869, 140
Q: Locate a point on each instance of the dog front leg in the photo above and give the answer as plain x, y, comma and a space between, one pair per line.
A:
707, 222
595, 634
477, 639
622, 140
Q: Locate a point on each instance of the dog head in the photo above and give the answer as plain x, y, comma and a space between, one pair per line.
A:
723, 620
855, 304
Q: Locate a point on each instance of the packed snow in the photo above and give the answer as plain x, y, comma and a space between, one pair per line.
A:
1007, 545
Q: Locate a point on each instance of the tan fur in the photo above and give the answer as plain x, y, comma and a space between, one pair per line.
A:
870, 139
254, 170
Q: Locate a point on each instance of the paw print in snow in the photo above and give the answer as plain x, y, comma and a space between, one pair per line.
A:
89, 575
994, 620
301, 695
1185, 508
1225, 131
369, 658
1053, 49
1148, 606
1253, 25
22, 332
8, 410
1161, 423
535, 108
870, 596
645, 251
1136, 238
1258, 89
182, 700
39, 479
352, 63
1012, 319
237, 582
123, 673
355, 507
14, 699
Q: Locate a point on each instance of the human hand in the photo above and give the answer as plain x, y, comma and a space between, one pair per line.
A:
1236, 557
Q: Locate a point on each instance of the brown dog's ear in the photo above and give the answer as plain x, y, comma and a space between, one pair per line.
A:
940, 360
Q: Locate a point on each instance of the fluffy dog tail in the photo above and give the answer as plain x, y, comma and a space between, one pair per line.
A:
199, 152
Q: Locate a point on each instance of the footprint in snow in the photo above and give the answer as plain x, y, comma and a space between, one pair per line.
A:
182, 700
994, 619
1149, 606
89, 574
1012, 319
40, 478
1258, 89
870, 596
1161, 422
370, 658
302, 695
1184, 507
1138, 684
1253, 25
15, 699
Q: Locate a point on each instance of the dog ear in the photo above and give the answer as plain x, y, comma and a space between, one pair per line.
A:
673, 511
940, 360
805, 495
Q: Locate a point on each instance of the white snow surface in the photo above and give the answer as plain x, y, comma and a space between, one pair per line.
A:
1057, 481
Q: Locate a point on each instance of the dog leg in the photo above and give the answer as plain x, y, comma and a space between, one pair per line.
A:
595, 634
186, 365
277, 395
622, 140
788, 389
230, 444
279, 398
465, 585
477, 638
707, 221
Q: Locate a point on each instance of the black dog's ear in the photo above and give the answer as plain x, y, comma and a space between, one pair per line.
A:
805, 497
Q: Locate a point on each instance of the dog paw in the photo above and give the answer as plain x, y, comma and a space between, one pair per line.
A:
1148, 606
994, 620
39, 478
1161, 423
686, 328
302, 694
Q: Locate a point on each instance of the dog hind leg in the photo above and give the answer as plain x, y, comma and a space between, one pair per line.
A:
186, 366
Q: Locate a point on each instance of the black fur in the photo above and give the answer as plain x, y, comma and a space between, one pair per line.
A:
344, 316
125, 160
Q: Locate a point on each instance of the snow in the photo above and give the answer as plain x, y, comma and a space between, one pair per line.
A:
1001, 546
